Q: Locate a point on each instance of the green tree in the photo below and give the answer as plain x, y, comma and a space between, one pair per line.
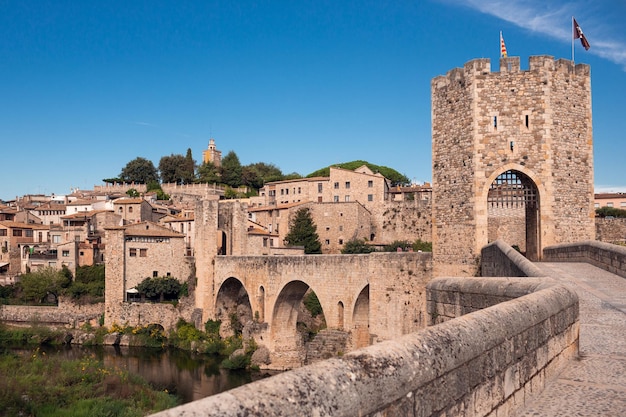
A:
264, 173
357, 246
173, 169
140, 171
303, 232
156, 187
189, 174
132, 193
37, 286
231, 170
208, 173
165, 288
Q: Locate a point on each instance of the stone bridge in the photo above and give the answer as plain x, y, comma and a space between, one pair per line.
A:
493, 344
371, 297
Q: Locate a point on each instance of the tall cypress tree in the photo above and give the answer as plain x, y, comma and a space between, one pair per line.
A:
303, 232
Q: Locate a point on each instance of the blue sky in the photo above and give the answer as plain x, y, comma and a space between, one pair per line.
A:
87, 86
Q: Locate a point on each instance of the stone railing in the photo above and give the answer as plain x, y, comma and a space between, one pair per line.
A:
485, 362
498, 259
607, 256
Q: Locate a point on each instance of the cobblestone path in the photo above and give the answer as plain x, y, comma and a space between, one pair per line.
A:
595, 383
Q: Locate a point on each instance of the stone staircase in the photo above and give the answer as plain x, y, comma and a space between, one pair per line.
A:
326, 344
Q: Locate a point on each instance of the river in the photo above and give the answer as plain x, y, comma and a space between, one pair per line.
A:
189, 376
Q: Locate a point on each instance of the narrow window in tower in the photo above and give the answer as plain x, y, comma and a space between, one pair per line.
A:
495, 122
526, 121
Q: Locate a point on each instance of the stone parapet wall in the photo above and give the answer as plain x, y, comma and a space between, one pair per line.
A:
66, 314
607, 256
143, 314
500, 260
485, 363
611, 230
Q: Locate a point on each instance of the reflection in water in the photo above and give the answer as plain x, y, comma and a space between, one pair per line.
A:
189, 376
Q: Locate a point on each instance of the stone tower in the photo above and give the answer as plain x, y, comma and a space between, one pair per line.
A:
212, 155
512, 159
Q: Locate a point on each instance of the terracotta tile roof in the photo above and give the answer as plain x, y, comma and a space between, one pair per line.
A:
81, 202
50, 206
20, 225
601, 196
129, 201
150, 229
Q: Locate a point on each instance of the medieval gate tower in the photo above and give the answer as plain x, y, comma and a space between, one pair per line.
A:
512, 159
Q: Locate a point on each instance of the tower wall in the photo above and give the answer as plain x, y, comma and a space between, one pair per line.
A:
537, 122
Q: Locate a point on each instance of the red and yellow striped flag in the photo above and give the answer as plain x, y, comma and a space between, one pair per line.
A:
502, 47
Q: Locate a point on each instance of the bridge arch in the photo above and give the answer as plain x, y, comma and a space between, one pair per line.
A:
288, 342
232, 306
513, 211
360, 319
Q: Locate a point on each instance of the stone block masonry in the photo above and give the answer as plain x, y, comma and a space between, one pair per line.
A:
535, 124
484, 363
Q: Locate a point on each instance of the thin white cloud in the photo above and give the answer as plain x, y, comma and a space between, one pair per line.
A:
145, 124
548, 17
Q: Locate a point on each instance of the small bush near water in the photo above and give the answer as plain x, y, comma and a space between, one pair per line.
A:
35, 384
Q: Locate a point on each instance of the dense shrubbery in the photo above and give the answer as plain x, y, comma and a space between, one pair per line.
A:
44, 286
610, 212
162, 289
405, 245
36, 384
357, 246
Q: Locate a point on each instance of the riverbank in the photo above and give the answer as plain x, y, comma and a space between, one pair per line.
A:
34, 383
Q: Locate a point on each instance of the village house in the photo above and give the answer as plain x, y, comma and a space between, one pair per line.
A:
144, 250
615, 200
133, 210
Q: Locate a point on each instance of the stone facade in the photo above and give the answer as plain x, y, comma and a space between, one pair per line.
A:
534, 123
473, 365
136, 252
375, 297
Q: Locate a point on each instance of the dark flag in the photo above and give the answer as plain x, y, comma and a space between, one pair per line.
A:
578, 34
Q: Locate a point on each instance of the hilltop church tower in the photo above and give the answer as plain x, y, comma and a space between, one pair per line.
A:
512, 155
212, 155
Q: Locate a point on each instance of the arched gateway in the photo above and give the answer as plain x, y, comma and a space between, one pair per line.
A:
513, 210
512, 159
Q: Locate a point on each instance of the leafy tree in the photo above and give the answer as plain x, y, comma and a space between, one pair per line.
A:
610, 211
132, 193
250, 178
264, 172
139, 170
156, 187
165, 288
37, 286
312, 303
391, 174
303, 232
112, 180
208, 173
292, 176
231, 170
173, 169
357, 246
88, 284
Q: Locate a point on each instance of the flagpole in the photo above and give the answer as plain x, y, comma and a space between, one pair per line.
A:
573, 39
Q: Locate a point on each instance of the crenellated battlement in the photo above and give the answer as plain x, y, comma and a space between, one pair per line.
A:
481, 67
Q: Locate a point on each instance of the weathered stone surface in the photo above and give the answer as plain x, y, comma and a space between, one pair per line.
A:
457, 365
